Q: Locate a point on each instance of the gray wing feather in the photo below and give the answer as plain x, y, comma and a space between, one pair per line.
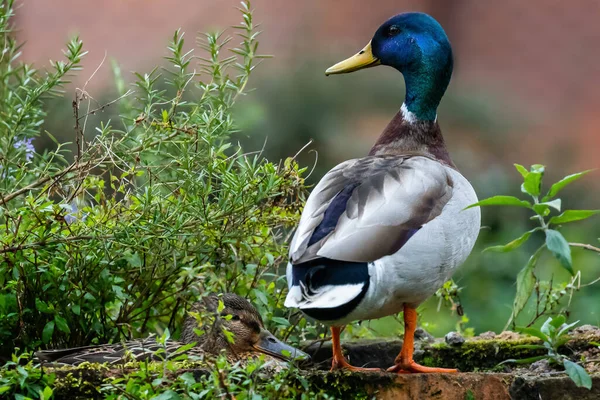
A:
394, 196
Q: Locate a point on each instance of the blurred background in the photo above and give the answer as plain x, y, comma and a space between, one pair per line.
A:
524, 90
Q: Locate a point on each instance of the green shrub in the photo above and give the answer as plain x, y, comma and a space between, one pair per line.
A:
154, 210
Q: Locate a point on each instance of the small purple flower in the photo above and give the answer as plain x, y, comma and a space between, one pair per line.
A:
74, 215
27, 146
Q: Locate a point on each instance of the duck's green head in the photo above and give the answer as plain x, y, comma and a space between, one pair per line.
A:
416, 45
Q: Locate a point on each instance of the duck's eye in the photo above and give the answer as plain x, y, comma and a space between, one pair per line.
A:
235, 317
393, 30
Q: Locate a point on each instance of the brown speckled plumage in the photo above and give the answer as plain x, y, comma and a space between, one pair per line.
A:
238, 317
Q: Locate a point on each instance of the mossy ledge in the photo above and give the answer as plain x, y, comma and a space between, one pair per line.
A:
489, 381
473, 355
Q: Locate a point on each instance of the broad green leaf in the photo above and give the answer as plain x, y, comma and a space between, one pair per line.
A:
281, 321
261, 296
556, 204
525, 283
48, 332
515, 244
561, 340
532, 181
533, 332
47, 393
184, 348
76, 309
558, 321
502, 201
559, 246
167, 395
558, 186
220, 306
547, 328
573, 215
61, 324
541, 209
134, 260
522, 170
566, 327
578, 374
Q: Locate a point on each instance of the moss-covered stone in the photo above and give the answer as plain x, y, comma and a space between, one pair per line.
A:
480, 358
472, 356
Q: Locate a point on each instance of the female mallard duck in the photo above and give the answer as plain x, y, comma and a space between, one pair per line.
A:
380, 234
245, 324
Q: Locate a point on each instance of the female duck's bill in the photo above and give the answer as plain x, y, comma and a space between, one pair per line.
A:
237, 317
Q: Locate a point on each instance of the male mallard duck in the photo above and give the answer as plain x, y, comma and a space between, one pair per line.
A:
380, 234
245, 324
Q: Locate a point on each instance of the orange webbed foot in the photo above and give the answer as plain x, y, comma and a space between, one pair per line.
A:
339, 361
343, 364
412, 368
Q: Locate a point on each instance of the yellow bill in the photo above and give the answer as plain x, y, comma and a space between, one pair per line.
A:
362, 59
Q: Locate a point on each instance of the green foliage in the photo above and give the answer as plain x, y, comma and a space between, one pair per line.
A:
176, 379
154, 210
22, 380
553, 334
555, 242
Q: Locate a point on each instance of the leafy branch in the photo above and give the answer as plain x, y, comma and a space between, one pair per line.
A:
553, 335
542, 205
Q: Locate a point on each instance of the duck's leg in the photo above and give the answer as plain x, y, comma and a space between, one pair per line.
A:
404, 362
339, 361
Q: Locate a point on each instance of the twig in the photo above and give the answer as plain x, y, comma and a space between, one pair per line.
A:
224, 386
42, 181
50, 242
102, 107
586, 246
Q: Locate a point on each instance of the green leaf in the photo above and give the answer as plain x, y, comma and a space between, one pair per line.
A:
261, 296
558, 186
220, 306
61, 324
76, 309
134, 260
561, 340
556, 204
541, 209
167, 395
558, 321
566, 327
522, 170
559, 246
547, 328
281, 321
532, 181
47, 393
502, 201
578, 374
48, 332
524, 360
533, 332
184, 348
515, 244
530, 346
525, 283
573, 215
